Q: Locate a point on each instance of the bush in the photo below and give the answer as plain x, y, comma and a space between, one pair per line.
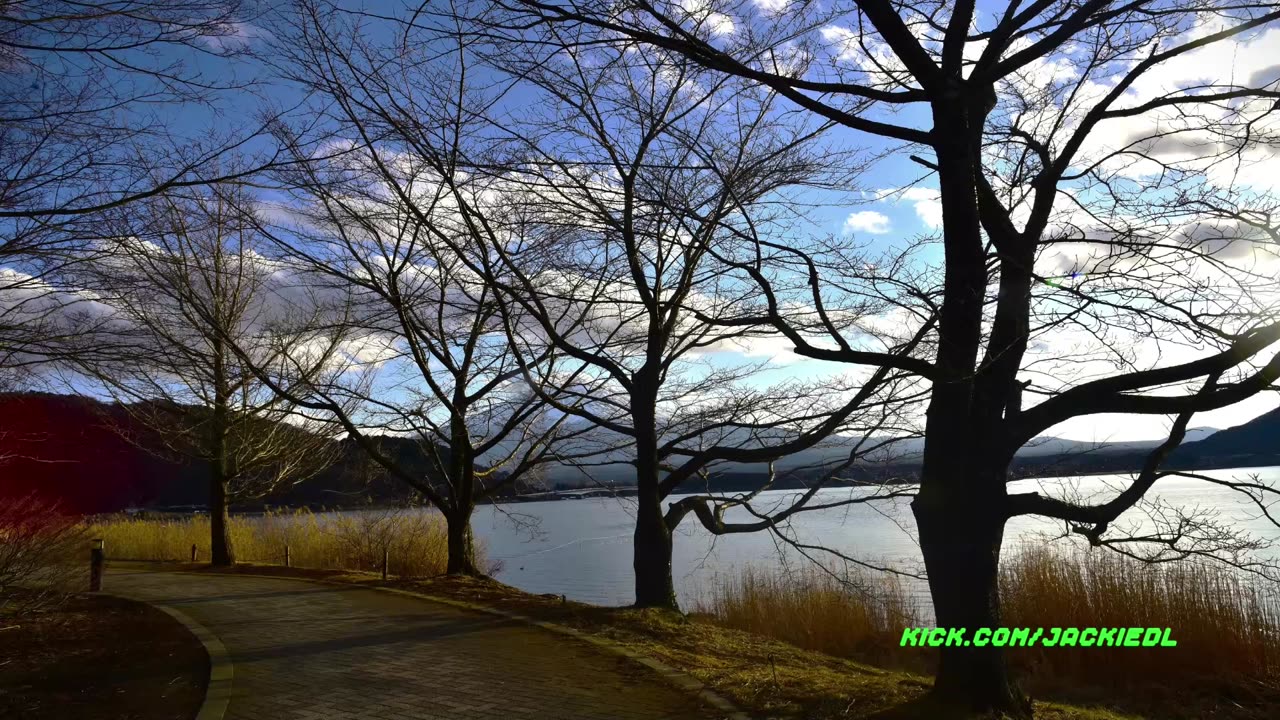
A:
43, 554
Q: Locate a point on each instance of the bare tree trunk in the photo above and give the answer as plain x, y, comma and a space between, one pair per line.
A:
651, 558
960, 509
221, 550
462, 550
961, 527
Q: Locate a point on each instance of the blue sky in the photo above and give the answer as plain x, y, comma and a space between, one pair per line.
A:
884, 223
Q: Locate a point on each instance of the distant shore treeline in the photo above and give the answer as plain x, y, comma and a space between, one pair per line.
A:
92, 456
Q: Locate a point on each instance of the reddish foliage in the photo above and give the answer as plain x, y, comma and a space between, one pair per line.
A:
31, 517
65, 449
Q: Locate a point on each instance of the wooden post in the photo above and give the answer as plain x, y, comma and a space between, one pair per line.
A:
193, 552
385, 556
287, 559
97, 559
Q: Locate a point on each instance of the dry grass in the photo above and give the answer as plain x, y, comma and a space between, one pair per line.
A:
853, 615
415, 541
1227, 627
1226, 664
97, 656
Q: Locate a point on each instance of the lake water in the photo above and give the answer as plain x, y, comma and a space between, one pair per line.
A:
582, 548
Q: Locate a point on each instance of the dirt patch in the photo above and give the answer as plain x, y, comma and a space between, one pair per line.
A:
100, 658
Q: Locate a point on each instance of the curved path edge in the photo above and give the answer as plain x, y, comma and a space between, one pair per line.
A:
677, 678
217, 694
674, 677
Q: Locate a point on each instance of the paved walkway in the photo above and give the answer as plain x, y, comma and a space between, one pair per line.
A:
306, 651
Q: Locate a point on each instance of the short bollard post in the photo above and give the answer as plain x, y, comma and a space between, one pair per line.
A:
97, 559
287, 559
384, 563
193, 552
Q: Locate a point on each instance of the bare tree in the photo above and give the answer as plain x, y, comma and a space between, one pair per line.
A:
638, 178
80, 84
1092, 163
185, 290
103, 104
367, 214
587, 212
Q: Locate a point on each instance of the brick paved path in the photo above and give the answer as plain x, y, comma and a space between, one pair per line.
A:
305, 651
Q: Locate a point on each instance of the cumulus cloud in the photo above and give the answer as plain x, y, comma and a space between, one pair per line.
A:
772, 7
927, 203
867, 221
702, 13
867, 54
1193, 139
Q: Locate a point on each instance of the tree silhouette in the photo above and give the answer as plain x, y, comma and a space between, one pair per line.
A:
1094, 166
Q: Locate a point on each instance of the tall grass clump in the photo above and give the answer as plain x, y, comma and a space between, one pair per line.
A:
853, 615
415, 542
1227, 626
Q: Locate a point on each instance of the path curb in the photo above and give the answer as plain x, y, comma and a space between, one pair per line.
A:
217, 694
676, 678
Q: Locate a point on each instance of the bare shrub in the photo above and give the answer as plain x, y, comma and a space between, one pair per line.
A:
42, 554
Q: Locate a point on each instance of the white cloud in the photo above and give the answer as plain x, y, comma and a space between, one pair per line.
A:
700, 11
928, 205
772, 7
868, 221
775, 348
868, 55
1167, 135
720, 24
926, 201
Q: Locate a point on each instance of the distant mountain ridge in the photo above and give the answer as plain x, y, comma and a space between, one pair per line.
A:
1258, 436
74, 448
1257, 440
903, 456
64, 445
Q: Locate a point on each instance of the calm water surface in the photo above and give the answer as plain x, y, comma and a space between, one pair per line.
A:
582, 548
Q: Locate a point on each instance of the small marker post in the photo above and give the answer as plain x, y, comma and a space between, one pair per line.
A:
97, 560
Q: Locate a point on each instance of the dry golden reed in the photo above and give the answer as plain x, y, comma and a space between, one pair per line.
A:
1227, 626
415, 541
852, 615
